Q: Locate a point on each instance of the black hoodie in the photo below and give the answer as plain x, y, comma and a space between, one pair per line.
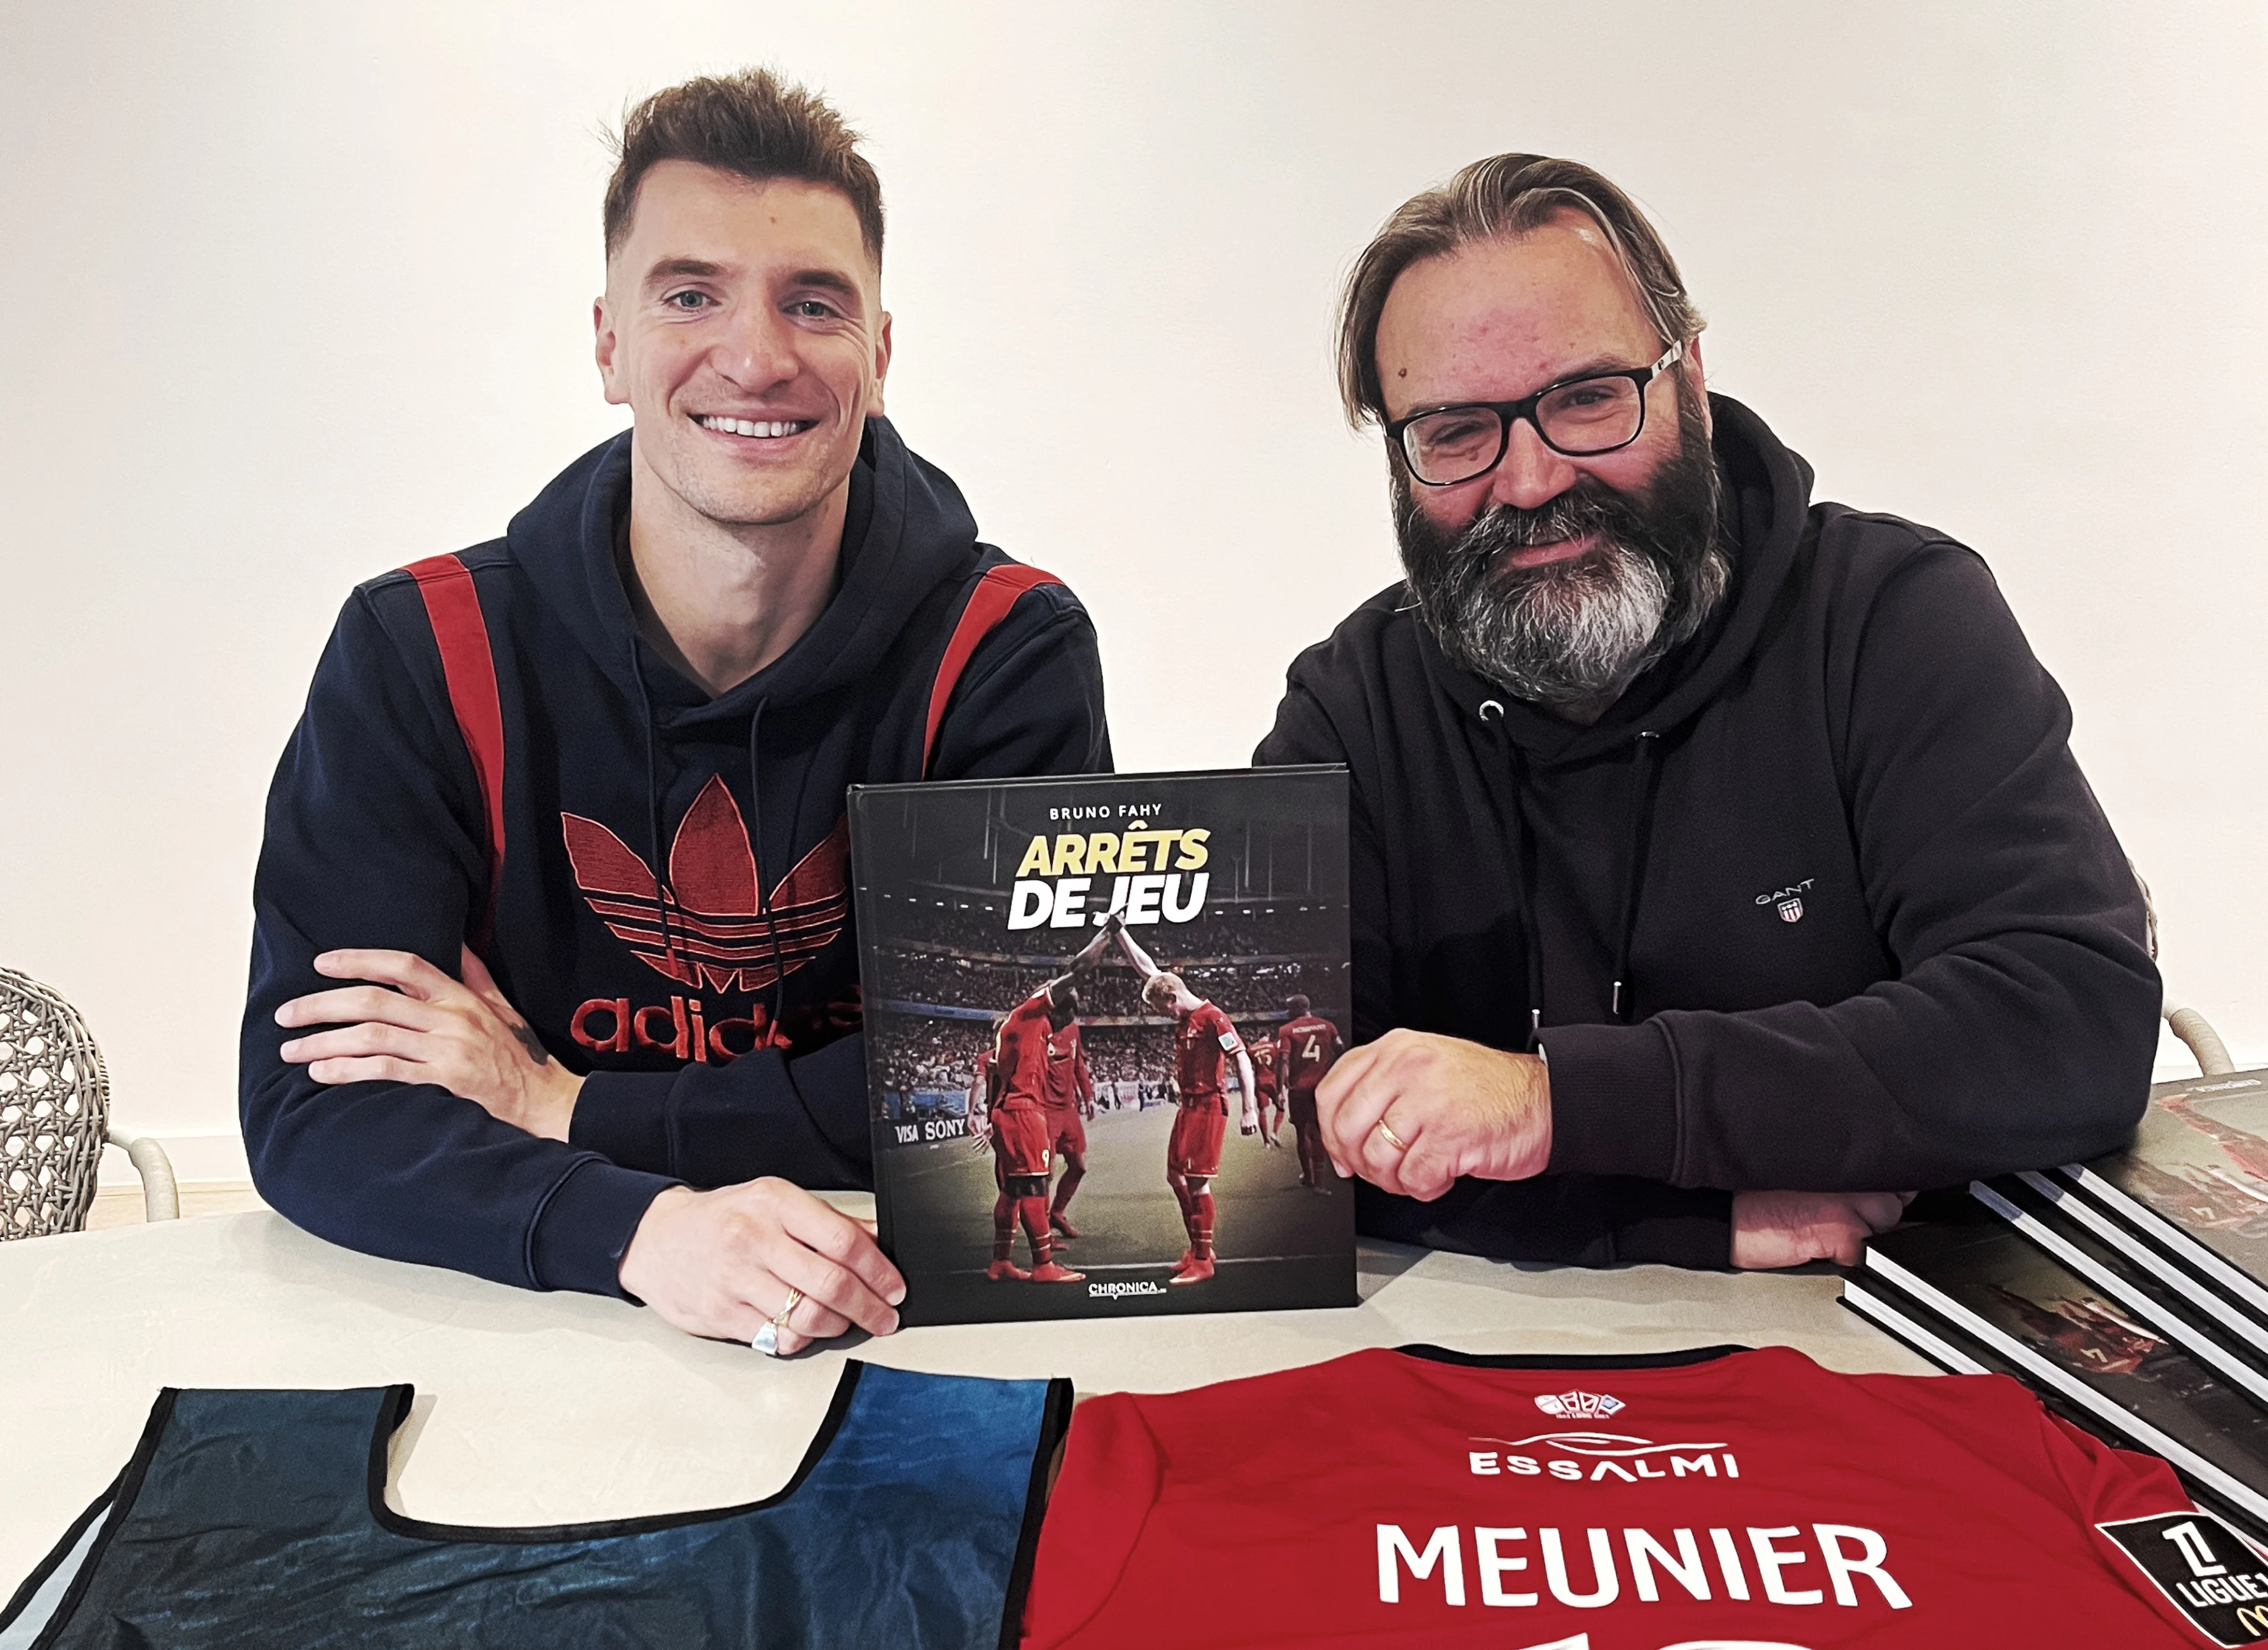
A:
1870, 928
710, 1013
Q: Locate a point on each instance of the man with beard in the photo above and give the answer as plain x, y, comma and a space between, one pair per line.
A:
1719, 862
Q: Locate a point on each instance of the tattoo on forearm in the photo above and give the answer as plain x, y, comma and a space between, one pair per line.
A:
525, 1035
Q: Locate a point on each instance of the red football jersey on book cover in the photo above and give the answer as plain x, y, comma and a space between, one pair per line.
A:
1069, 1081
1020, 1067
1306, 1047
1722, 1497
1204, 1039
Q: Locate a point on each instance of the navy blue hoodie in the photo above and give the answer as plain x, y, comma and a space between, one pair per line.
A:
715, 1010
1821, 902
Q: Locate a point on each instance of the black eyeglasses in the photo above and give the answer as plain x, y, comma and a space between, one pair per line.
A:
1580, 418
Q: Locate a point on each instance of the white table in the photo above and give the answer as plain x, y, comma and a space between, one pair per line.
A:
554, 1409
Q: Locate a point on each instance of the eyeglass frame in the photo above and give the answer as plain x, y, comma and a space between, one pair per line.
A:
1509, 413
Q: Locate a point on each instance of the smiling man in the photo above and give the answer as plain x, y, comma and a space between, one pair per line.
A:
1720, 867
553, 977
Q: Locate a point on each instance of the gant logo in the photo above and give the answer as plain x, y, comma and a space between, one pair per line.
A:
703, 928
1787, 901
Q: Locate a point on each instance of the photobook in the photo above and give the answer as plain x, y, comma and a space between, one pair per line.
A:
1900, 1315
2064, 1334
1097, 1014
2155, 1301
2195, 1180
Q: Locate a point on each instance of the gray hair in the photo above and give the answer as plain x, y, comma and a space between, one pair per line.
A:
1502, 196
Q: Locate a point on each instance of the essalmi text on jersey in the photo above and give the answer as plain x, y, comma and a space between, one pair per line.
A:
1488, 1463
1157, 875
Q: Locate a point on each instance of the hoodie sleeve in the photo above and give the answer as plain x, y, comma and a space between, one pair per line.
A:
2019, 1027
1030, 701
373, 839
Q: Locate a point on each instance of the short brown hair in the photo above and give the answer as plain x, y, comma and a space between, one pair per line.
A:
753, 125
1504, 195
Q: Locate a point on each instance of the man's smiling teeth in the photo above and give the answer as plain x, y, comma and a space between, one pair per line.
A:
749, 427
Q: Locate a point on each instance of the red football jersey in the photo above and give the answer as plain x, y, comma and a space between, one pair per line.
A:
1020, 1066
1308, 1046
1422, 1498
1204, 1039
1068, 1079
1263, 1068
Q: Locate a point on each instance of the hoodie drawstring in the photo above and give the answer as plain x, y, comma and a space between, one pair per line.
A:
652, 809
1644, 785
756, 837
1531, 931
1523, 868
1645, 776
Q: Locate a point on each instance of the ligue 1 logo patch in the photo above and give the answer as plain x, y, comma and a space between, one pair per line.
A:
2204, 1567
1578, 1406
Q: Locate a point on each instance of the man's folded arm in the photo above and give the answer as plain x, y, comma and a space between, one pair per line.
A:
803, 1120
373, 840
1030, 702
2021, 1027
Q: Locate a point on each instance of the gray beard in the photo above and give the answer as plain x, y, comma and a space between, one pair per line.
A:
1578, 631
1582, 630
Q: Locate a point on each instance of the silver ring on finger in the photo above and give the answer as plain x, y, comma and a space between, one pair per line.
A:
766, 1339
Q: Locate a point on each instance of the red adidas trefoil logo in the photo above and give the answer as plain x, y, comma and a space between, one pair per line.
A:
714, 937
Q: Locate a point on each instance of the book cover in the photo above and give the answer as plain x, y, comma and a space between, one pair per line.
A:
2066, 1334
1096, 1010
1908, 1320
2199, 1296
2149, 1298
2195, 1180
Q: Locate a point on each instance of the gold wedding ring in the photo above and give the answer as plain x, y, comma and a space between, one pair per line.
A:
1392, 1139
794, 1299
766, 1336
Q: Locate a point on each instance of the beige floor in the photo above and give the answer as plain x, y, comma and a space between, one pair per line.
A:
122, 1205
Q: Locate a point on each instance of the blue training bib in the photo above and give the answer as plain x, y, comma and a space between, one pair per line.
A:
251, 1520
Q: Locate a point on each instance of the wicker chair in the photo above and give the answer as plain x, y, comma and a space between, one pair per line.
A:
55, 1117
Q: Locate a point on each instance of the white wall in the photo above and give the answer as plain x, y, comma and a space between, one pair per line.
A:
297, 293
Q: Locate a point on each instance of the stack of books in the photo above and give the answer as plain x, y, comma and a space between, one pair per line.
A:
2130, 1292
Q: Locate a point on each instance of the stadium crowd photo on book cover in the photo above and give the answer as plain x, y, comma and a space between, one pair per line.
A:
1097, 1011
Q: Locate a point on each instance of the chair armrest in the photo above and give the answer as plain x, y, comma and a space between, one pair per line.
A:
161, 1199
2190, 1026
